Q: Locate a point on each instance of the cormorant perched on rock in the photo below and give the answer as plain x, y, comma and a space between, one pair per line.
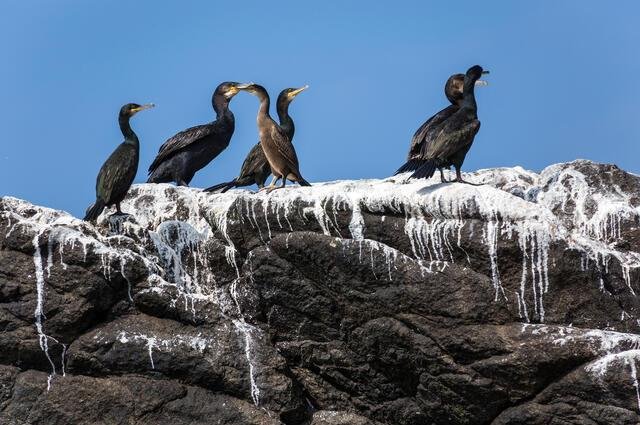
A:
119, 170
449, 143
255, 168
190, 150
275, 143
453, 91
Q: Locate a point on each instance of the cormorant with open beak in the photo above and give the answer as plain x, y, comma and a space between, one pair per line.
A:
181, 156
275, 143
255, 168
119, 170
449, 143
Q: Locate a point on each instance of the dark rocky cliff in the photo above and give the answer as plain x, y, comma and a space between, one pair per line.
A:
350, 302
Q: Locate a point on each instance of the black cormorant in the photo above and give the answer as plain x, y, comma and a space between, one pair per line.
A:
190, 150
453, 92
449, 143
119, 170
453, 89
255, 168
275, 143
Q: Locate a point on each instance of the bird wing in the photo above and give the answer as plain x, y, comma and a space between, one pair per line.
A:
417, 147
180, 141
452, 136
285, 147
117, 173
254, 161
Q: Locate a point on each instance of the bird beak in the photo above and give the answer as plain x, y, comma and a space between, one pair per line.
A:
143, 107
298, 91
233, 90
243, 86
482, 83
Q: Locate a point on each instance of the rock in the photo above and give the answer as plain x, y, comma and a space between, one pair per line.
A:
350, 302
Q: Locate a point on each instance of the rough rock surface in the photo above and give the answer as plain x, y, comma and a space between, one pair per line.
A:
351, 302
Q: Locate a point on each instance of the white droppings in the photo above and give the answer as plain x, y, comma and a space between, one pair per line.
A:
246, 331
153, 343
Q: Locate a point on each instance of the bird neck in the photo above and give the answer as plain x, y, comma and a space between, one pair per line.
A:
129, 136
469, 96
286, 123
220, 105
263, 111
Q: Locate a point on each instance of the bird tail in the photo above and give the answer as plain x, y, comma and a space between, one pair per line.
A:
411, 165
426, 170
94, 210
303, 182
153, 178
222, 187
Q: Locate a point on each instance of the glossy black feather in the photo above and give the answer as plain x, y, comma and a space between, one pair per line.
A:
119, 170
449, 142
187, 152
416, 157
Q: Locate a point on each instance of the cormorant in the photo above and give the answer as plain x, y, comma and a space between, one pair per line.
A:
275, 143
453, 91
255, 168
119, 170
449, 143
190, 150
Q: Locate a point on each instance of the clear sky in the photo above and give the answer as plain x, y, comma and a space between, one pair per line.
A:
563, 85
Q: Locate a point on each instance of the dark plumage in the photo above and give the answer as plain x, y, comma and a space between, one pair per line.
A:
453, 91
255, 168
119, 170
449, 143
275, 143
181, 156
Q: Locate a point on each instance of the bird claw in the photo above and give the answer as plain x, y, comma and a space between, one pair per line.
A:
269, 189
120, 214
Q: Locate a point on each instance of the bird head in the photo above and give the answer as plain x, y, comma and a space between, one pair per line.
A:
229, 89
475, 72
255, 89
291, 93
130, 109
286, 96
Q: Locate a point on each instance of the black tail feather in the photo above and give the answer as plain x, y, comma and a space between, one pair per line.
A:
153, 179
221, 187
303, 182
411, 165
94, 210
426, 170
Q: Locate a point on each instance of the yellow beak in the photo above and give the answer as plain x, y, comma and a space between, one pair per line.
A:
143, 107
298, 91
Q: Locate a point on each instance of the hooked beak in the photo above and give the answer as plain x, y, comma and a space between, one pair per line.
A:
143, 107
243, 86
296, 92
233, 90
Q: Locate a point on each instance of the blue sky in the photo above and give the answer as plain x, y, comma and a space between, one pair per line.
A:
563, 82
